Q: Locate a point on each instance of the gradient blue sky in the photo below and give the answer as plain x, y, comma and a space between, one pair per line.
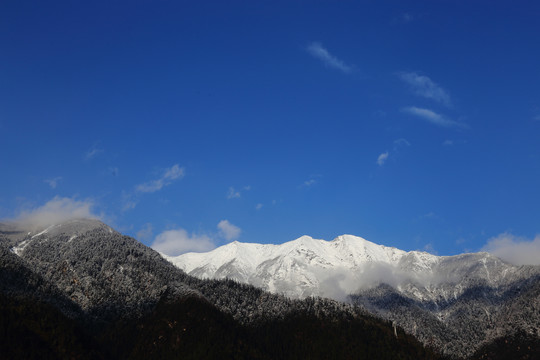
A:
411, 124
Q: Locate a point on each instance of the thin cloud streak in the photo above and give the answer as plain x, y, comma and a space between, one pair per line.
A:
318, 51
173, 173
382, 158
434, 118
425, 87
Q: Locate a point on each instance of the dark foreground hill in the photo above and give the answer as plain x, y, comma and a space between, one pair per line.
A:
81, 290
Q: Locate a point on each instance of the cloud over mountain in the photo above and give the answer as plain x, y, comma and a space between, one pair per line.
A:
178, 241
55, 211
514, 249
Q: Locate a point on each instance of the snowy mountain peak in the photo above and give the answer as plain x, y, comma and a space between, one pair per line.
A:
304, 238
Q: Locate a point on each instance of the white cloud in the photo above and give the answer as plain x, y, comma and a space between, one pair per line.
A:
433, 117
53, 182
258, 206
173, 173
316, 50
448, 143
56, 211
228, 230
310, 182
233, 194
514, 249
424, 86
382, 158
176, 242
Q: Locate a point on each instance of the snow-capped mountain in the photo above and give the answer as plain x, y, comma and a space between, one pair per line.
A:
453, 303
298, 268
346, 265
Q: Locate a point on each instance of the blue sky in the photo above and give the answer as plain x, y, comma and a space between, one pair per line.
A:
192, 124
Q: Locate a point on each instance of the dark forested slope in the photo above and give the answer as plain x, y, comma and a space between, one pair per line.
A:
82, 290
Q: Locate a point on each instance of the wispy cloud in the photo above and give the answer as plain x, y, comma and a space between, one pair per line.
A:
381, 159
258, 206
398, 144
434, 118
318, 51
228, 230
53, 182
430, 249
514, 249
448, 143
233, 194
423, 86
429, 215
56, 211
145, 233
171, 174
93, 152
178, 241
401, 142
129, 201
312, 180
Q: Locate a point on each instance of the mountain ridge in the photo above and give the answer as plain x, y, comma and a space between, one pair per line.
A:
114, 285
90, 285
455, 303
344, 256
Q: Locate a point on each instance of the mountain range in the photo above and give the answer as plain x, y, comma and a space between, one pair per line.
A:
80, 289
455, 303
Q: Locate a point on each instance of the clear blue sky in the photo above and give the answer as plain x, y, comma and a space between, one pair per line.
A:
411, 124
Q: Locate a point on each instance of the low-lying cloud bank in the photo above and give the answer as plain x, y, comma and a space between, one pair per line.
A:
55, 211
514, 249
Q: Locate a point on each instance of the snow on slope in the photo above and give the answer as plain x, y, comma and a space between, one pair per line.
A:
307, 266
